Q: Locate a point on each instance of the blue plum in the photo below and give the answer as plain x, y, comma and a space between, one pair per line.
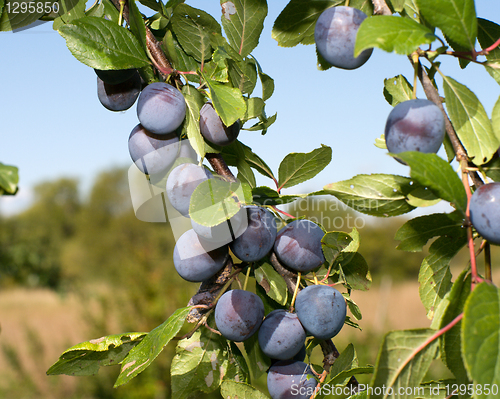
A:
281, 336
161, 108
415, 125
225, 232
152, 153
321, 310
214, 130
258, 238
181, 183
485, 211
194, 258
289, 379
121, 96
239, 314
115, 76
298, 245
335, 35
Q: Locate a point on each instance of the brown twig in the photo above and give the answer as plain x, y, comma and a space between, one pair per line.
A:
220, 166
289, 277
153, 45
460, 152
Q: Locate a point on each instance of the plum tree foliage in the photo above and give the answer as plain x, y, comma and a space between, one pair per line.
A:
187, 58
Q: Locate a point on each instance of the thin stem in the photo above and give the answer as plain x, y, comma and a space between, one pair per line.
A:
246, 277
283, 212
491, 48
120, 17
295, 292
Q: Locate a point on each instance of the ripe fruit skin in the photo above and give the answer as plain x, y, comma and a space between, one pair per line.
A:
239, 314
321, 310
335, 35
121, 96
152, 153
193, 262
115, 76
214, 130
258, 238
298, 245
161, 108
289, 378
281, 336
181, 183
484, 211
225, 232
415, 125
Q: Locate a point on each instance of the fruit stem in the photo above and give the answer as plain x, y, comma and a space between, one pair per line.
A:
316, 282
414, 58
346, 3
491, 48
283, 212
247, 276
120, 17
295, 292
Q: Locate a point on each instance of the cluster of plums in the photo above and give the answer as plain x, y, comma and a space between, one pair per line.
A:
320, 312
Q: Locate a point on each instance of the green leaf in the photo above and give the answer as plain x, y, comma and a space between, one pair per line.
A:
376, 195
451, 347
456, 19
296, 22
153, 343
215, 200
237, 367
435, 276
488, 33
480, 337
415, 233
397, 90
271, 281
433, 172
334, 243
231, 155
9, 178
243, 21
266, 196
240, 390
227, 101
257, 361
357, 275
267, 85
102, 44
391, 33
344, 367
492, 169
193, 29
199, 364
194, 101
397, 366
495, 118
299, 167
69, 10
470, 121
422, 197
13, 17
86, 358
255, 106
136, 23
243, 75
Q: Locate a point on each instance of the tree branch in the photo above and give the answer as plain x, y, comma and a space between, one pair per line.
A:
220, 166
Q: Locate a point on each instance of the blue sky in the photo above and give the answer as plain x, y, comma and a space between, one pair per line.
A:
53, 124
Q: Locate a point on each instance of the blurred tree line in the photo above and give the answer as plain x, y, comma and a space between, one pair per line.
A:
63, 240
122, 269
